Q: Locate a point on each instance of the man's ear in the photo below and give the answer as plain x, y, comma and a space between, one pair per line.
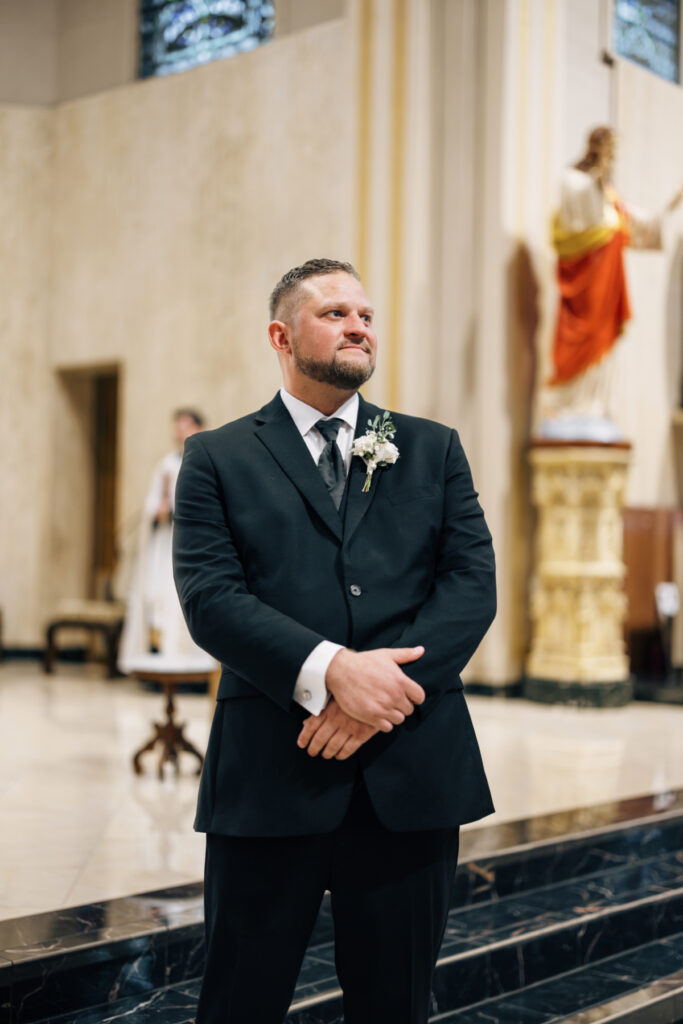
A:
278, 335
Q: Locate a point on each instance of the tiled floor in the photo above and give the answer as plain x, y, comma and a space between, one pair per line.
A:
76, 824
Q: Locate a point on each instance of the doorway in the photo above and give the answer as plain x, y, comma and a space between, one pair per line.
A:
104, 447
85, 493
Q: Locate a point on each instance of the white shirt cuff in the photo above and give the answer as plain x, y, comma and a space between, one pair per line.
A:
310, 690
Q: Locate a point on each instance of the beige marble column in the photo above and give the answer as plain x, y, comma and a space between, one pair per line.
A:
578, 603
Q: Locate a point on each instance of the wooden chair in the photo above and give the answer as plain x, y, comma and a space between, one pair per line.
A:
103, 617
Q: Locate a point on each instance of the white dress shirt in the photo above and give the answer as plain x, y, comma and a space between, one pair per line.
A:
310, 690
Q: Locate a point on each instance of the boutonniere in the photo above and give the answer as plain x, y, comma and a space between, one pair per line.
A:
375, 447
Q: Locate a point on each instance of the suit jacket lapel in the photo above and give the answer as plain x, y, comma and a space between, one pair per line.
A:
357, 503
279, 434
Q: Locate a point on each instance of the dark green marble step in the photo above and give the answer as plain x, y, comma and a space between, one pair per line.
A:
499, 947
546, 893
642, 986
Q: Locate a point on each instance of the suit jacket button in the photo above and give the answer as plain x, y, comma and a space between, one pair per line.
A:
355, 590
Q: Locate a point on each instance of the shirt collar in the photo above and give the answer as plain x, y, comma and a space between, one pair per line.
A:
305, 416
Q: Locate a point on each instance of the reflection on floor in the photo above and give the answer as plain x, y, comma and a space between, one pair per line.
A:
77, 826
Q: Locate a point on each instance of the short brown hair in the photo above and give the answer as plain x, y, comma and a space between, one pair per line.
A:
191, 414
290, 281
596, 140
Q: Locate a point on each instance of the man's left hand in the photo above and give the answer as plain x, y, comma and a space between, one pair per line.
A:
333, 733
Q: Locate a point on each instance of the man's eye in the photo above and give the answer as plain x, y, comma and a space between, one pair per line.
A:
367, 318
335, 312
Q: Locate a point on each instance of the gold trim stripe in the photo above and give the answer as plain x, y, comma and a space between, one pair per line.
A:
395, 240
365, 30
548, 102
524, 25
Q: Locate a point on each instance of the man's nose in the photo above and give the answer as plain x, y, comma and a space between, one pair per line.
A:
356, 325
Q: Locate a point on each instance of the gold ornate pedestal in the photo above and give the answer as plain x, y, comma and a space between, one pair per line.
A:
578, 602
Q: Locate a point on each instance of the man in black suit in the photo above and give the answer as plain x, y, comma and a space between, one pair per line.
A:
343, 596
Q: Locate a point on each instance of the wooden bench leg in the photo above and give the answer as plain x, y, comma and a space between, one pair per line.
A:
50, 650
112, 637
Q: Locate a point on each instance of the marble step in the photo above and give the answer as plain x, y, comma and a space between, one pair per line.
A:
643, 986
499, 946
509, 950
526, 890
516, 856
174, 1004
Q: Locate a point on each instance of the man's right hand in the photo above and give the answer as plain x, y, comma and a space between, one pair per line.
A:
163, 513
370, 686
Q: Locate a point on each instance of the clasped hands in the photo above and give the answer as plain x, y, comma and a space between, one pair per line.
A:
369, 694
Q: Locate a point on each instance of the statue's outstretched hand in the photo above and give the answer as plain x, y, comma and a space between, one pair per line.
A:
673, 203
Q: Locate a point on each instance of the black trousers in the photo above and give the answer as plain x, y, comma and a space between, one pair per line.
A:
390, 897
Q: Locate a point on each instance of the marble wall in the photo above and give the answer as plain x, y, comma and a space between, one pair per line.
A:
177, 204
52, 51
28, 54
96, 46
181, 201
649, 172
25, 382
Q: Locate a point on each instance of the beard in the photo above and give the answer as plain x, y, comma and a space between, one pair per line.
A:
346, 376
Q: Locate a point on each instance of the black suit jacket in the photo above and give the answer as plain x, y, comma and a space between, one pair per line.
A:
266, 568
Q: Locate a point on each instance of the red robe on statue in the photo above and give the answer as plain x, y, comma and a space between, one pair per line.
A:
594, 303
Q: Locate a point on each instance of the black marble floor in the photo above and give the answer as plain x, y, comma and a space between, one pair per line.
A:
553, 918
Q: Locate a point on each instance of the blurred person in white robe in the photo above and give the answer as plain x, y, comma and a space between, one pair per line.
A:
154, 620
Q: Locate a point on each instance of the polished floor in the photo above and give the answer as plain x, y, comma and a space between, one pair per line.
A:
77, 825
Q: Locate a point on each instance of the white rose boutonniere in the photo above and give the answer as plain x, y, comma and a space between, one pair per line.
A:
375, 447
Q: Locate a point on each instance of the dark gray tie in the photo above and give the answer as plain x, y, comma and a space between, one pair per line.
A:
330, 463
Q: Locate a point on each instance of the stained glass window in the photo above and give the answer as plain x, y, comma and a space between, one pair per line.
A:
179, 34
648, 32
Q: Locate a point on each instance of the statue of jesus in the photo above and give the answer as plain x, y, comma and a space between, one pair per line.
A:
590, 230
